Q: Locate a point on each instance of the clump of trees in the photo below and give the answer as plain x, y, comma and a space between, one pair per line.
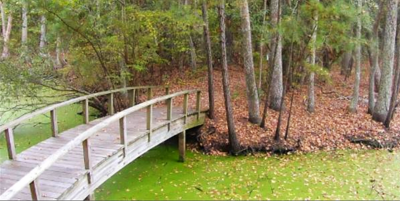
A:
89, 46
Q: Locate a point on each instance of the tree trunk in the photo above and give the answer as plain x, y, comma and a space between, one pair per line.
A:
396, 87
382, 104
24, 35
356, 91
192, 48
374, 60
3, 20
6, 37
346, 63
207, 40
251, 87
276, 56
43, 41
233, 141
261, 66
311, 96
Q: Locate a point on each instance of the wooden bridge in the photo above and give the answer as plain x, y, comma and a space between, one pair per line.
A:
72, 164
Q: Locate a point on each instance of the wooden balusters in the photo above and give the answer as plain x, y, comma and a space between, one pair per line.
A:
185, 107
149, 93
123, 134
54, 123
111, 104
131, 97
10, 143
149, 121
169, 112
34, 187
198, 104
86, 158
85, 110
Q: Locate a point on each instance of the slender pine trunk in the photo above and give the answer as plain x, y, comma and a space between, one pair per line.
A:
356, 90
233, 140
207, 40
311, 81
276, 44
261, 50
251, 87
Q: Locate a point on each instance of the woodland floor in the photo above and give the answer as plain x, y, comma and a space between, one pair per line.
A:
330, 127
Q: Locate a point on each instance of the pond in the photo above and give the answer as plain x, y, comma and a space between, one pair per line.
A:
346, 174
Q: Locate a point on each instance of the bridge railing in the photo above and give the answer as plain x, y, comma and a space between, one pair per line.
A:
8, 128
31, 178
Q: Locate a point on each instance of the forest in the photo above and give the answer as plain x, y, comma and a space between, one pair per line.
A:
278, 78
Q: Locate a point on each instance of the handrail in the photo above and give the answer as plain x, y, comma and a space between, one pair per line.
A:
8, 127
31, 177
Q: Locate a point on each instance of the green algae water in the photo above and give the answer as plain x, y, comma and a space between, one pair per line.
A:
158, 175
325, 175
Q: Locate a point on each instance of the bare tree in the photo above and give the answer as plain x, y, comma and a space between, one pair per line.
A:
251, 87
356, 91
207, 40
383, 102
233, 141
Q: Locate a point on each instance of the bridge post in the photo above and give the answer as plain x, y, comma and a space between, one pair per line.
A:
169, 112
149, 121
10, 143
149, 93
111, 104
198, 104
34, 187
54, 124
123, 134
85, 110
166, 90
182, 146
86, 158
131, 97
185, 107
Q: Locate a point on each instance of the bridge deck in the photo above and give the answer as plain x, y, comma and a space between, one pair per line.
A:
65, 177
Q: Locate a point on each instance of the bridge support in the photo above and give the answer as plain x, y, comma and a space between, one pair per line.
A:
182, 146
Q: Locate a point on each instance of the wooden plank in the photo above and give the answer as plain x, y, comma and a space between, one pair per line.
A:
10, 143
85, 110
34, 190
54, 123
